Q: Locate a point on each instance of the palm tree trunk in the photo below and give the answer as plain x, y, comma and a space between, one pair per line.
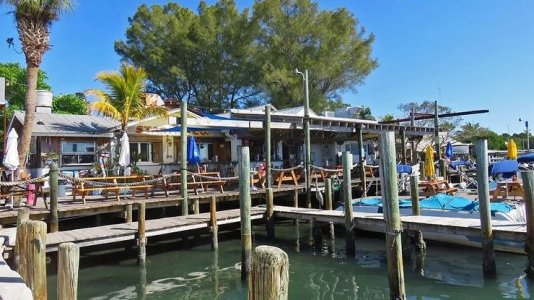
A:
29, 117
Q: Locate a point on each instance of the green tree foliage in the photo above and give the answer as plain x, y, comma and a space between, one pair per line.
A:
219, 57
330, 44
74, 104
205, 58
469, 132
15, 76
388, 117
366, 114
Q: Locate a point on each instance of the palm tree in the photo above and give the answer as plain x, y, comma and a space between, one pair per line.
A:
34, 18
124, 100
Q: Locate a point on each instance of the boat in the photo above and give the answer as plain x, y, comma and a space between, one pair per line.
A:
442, 205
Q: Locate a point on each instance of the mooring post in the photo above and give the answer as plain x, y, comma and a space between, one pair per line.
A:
54, 186
213, 223
141, 287
269, 215
443, 168
244, 205
488, 248
67, 271
422, 174
183, 158
268, 179
141, 236
328, 197
23, 215
129, 212
196, 208
295, 203
416, 211
31, 239
390, 199
363, 180
528, 186
270, 274
347, 200
403, 146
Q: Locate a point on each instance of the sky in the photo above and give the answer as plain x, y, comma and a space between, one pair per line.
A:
473, 54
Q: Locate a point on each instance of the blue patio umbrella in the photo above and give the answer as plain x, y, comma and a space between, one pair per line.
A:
193, 152
448, 150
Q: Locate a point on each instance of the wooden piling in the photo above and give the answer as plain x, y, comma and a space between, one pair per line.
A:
317, 235
23, 215
213, 223
390, 196
443, 169
129, 212
528, 186
244, 205
54, 187
488, 247
268, 146
403, 146
347, 200
196, 205
328, 197
141, 235
183, 158
363, 180
270, 274
67, 271
416, 211
295, 203
31, 239
269, 215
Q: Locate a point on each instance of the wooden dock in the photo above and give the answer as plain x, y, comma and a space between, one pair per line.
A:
128, 231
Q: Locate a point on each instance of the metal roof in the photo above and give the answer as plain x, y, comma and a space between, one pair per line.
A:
50, 124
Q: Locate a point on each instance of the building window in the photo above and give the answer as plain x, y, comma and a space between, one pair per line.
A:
352, 148
141, 152
78, 153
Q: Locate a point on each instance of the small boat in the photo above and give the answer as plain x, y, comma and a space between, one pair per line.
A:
442, 205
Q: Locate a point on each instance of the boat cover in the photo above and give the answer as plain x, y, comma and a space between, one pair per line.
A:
526, 158
505, 167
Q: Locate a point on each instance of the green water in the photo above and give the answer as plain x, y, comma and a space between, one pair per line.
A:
199, 273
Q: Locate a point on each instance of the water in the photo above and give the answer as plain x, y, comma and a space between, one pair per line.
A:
199, 273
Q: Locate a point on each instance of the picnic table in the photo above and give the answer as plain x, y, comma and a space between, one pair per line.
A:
510, 188
195, 182
433, 187
82, 187
281, 176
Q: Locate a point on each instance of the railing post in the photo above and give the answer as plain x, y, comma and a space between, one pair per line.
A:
54, 187
347, 199
269, 216
390, 200
67, 271
488, 248
141, 236
213, 223
270, 274
244, 205
31, 239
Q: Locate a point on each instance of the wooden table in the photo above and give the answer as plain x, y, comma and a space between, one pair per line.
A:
432, 187
82, 188
510, 188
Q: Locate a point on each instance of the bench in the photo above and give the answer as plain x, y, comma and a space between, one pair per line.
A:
82, 188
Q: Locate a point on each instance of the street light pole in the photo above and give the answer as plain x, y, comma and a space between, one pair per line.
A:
526, 130
307, 144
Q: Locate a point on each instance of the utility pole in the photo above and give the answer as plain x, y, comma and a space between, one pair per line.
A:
528, 138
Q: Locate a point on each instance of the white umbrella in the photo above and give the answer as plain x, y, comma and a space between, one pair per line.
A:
124, 156
11, 156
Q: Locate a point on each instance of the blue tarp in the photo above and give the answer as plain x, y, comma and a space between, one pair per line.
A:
506, 167
526, 158
404, 169
193, 152
439, 201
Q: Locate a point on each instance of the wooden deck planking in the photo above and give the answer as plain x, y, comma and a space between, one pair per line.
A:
122, 232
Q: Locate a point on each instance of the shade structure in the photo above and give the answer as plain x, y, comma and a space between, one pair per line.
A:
11, 158
512, 149
429, 162
448, 150
124, 155
193, 152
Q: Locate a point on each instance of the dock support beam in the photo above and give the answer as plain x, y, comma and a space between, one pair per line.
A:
420, 245
268, 179
528, 186
54, 218
213, 223
363, 180
183, 158
403, 146
329, 196
488, 248
129, 213
31, 239
269, 215
390, 196
270, 274
347, 200
141, 236
244, 205
67, 271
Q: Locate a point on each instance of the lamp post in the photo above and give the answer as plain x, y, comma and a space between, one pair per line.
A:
526, 130
307, 145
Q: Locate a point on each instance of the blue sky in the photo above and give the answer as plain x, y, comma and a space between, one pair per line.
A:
465, 54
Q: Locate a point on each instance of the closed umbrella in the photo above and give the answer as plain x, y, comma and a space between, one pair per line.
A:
11, 158
124, 155
448, 150
512, 149
429, 162
193, 152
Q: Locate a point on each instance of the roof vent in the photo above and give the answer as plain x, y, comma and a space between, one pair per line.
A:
43, 101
